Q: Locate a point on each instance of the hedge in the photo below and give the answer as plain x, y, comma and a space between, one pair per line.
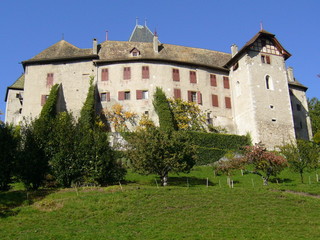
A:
218, 140
209, 155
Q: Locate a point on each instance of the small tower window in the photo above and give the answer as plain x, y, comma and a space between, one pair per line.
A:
269, 84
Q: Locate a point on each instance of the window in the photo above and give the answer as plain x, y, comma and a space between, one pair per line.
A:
193, 77
135, 52
226, 84
145, 72
213, 80
215, 101
209, 119
175, 75
195, 97
177, 93
265, 59
124, 95
235, 66
126, 73
49, 79
104, 74
127, 95
142, 94
298, 107
105, 97
227, 102
44, 99
269, 83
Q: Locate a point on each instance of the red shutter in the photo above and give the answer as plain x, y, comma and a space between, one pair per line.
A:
49, 79
213, 80
105, 74
145, 72
126, 73
215, 101
193, 77
268, 59
121, 95
139, 94
199, 97
175, 75
177, 93
108, 96
226, 82
190, 96
43, 99
228, 102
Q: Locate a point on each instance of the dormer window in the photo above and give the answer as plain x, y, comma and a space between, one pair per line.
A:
135, 52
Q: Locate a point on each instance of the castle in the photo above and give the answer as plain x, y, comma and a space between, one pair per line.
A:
246, 91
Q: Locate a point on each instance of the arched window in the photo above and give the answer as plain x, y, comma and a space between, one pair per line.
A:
269, 83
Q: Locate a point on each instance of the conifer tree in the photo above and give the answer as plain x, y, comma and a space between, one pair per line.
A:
94, 151
162, 108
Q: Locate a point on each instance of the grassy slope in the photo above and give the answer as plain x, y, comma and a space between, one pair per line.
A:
142, 211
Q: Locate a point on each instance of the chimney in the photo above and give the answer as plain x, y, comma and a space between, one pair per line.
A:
234, 50
290, 74
155, 43
95, 46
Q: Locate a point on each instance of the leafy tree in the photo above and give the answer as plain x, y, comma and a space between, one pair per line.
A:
119, 117
162, 108
187, 115
314, 111
302, 156
155, 151
8, 147
265, 163
316, 138
32, 165
64, 163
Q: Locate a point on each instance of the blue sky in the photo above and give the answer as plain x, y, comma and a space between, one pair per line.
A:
28, 27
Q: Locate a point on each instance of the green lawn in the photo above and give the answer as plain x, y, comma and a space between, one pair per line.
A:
186, 209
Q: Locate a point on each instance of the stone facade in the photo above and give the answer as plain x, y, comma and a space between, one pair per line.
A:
247, 91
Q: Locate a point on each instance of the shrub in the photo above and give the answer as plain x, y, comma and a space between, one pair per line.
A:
218, 140
208, 155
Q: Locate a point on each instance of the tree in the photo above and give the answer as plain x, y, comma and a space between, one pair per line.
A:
8, 147
187, 115
162, 108
93, 149
314, 111
36, 145
302, 156
265, 163
119, 118
32, 165
65, 166
155, 151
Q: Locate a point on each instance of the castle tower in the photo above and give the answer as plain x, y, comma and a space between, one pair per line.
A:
261, 93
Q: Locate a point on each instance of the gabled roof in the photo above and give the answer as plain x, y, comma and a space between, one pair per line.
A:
298, 85
117, 51
17, 85
61, 50
261, 34
141, 34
